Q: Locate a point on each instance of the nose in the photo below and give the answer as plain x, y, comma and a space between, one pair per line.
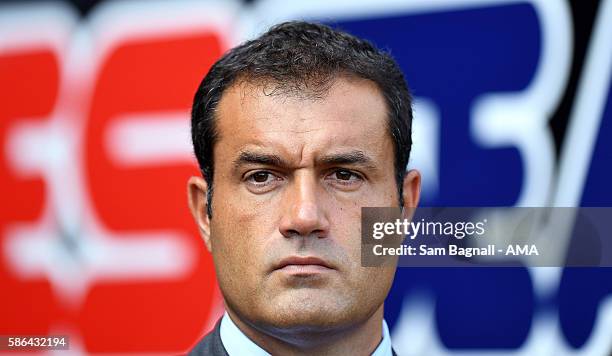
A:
303, 213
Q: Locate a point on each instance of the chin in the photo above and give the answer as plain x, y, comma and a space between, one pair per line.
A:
312, 312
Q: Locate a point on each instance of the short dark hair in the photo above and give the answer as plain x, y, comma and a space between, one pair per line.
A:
302, 58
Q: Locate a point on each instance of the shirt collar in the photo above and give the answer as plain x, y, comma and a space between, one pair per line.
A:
236, 343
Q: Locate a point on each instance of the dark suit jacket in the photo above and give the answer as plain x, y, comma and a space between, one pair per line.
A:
211, 344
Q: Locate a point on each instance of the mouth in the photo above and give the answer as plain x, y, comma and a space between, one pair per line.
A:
303, 266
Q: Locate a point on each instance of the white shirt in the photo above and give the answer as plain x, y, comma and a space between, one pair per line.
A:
236, 343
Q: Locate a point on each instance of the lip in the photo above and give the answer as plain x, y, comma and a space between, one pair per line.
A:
299, 265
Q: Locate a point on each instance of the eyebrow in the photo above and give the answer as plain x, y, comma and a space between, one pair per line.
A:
248, 157
346, 158
349, 158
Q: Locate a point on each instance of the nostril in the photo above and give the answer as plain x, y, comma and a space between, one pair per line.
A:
319, 234
292, 233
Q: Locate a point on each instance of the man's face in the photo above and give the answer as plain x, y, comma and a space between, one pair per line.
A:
291, 175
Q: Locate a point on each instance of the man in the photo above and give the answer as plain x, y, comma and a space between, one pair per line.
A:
294, 132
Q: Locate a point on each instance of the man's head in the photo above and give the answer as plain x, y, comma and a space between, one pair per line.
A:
296, 131
302, 59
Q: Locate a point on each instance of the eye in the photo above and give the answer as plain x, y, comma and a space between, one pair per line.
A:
260, 177
345, 179
261, 181
344, 175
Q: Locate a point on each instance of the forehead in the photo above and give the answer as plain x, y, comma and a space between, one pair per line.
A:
351, 114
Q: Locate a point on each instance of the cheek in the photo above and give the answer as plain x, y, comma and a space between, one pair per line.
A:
381, 192
346, 229
376, 283
232, 234
239, 232
372, 283
238, 206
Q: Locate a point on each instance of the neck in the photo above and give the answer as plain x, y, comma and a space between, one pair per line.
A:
359, 339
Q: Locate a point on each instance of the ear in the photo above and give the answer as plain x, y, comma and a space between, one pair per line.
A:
197, 190
411, 191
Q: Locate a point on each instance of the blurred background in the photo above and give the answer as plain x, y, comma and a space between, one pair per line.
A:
513, 108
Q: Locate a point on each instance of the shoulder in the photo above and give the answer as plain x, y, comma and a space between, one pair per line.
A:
210, 344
